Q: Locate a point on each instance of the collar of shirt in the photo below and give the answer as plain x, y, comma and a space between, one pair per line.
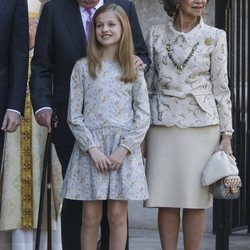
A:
84, 14
190, 37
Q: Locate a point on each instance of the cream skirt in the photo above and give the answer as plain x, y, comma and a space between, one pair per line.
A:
175, 160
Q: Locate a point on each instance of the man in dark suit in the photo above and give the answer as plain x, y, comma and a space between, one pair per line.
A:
60, 42
14, 48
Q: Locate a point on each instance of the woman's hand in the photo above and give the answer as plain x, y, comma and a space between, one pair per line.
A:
225, 144
101, 161
117, 157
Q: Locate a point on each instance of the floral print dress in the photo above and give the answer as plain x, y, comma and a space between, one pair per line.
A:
106, 113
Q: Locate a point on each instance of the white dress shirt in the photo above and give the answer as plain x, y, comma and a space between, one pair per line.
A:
84, 14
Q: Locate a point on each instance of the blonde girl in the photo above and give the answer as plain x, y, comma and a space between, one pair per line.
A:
108, 114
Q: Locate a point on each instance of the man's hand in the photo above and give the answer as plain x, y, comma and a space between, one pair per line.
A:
11, 121
117, 157
43, 118
101, 161
139, 64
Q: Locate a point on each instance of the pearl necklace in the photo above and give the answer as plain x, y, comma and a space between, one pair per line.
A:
178, 65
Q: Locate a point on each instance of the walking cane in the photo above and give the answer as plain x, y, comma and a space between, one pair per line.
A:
46, 170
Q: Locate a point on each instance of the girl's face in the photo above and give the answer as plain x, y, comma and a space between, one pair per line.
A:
108, 29
193, 8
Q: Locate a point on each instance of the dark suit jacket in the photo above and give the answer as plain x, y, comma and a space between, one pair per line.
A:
14, 48
60, 42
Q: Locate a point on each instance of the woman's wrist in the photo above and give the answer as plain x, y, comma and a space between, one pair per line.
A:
227, 134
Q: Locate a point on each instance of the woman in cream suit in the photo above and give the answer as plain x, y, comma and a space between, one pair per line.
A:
191, 117
21, 173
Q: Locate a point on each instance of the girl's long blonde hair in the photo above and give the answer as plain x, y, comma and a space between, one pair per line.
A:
125, 48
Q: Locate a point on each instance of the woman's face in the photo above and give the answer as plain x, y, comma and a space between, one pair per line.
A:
193, 8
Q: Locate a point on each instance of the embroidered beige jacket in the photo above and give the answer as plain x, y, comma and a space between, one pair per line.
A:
198, 95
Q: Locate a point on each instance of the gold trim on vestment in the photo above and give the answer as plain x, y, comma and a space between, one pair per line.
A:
26, 165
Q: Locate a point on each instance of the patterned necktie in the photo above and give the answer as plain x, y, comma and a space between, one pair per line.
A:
90, 13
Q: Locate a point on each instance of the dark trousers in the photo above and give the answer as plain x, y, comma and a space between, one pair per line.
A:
71, 216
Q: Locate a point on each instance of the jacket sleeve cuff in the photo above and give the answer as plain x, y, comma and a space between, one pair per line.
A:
127, 147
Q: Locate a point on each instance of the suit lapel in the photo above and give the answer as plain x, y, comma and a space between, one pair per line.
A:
73, 21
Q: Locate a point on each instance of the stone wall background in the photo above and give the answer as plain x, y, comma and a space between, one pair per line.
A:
150, 12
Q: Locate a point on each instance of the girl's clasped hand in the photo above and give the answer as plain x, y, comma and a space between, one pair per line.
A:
104, 163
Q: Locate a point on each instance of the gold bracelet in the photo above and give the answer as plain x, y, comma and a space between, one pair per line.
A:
228, 133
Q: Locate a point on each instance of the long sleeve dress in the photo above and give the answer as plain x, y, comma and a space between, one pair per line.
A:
106, 113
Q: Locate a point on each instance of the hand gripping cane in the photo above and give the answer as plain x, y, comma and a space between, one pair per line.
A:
46, 173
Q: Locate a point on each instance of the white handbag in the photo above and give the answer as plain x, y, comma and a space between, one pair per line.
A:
218, 166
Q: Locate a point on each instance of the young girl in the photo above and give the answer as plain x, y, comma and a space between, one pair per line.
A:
108, 115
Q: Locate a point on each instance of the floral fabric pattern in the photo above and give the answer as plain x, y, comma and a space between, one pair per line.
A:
198, 95
106, 113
